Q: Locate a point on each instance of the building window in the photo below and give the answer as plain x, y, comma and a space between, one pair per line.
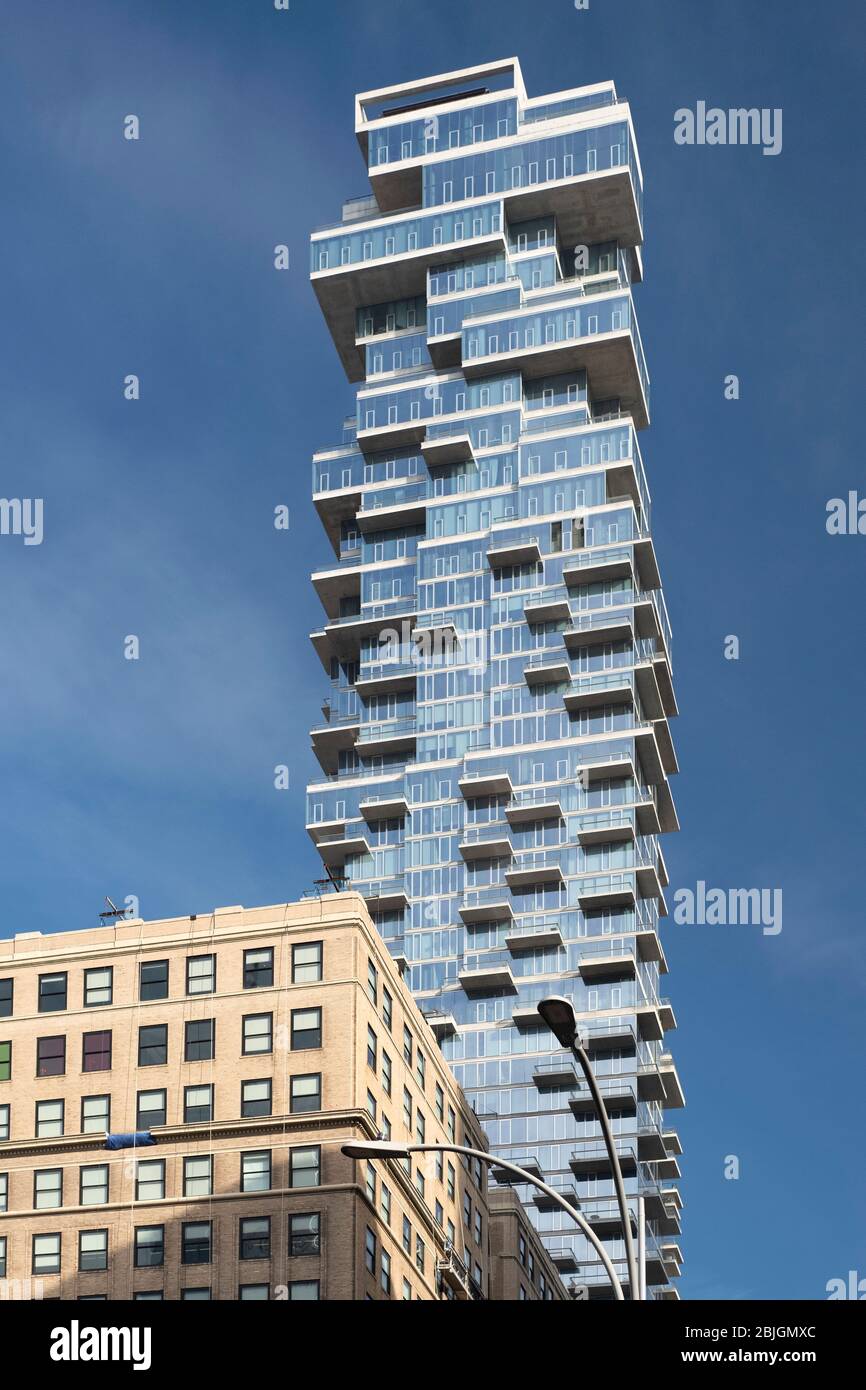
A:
95, 1114
48, 1188
52, 993
521, 1248
4, 1191
387, 1073
96, 1052
195, 1243
256, 1098
199, 1040
305, 1166
150, 1109
5, 1061
420, 1126
306, 1029
439, 1213
385, 1204
419, 1253
452, 1125
153, 980
304, 1234
386, 1127
46, 1254
50, 1056
201, 974
407, 1235
153, 1045
49, 1119
98, 987
371, 1183
372, 982
372, 1048
150, 1180
197, 1104
149, 1246
258, 1033
255, 1238
307, 963
370, 1251
195, 1295
387, 1009
7, 989
93, 1185
306, 1093
421, 1068
256, 1171
440, 1167
304, 1291
3, 1248
5, 1122
407, 1109
478, 1226
385, 1273
419, 1181
407, 1046
254, 1293
407, 1291
198, 1175
372, 1107
148, 1296
92, 1250
259, 968
451, 1178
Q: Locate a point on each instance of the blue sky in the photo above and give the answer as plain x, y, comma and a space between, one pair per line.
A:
155, 778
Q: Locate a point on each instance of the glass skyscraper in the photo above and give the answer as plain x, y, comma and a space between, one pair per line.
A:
495, 744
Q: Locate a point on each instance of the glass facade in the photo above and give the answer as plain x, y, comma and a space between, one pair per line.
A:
496, 750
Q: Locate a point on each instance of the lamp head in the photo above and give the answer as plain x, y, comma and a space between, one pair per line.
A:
558, 1014
378, 1148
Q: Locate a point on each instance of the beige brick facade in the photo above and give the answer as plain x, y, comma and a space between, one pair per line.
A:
226, 1017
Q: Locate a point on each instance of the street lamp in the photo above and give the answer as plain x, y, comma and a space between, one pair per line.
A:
382, 1148
558, 1013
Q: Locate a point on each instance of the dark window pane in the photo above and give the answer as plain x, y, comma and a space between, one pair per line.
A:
154, 980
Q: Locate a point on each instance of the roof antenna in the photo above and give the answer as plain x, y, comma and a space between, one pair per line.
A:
113, 913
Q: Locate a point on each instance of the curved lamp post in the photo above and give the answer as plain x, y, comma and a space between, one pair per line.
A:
558, 1014
385, 1149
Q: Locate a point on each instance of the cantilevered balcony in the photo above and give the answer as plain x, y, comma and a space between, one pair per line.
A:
491, 904
673, 1091
606, 890
567, 1191
597, 334
534, 866
383, 513
442, 1025
559, 1074
593, 1158
607, 961
548, 606
604, 1217
391, 805
440, 450
528, 1162
480, 974
534, 936
485, 842
386, 895
336, 737
598, 567
598, 629
506, 551
592, 692
480, 783
615, 826
389, 736
388, 677
529, 807
547, 668
337, 848
617, 1092
344, 636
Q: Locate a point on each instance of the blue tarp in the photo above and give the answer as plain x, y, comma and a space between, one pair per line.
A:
140, 1140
